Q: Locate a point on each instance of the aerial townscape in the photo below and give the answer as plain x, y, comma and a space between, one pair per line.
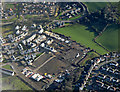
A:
60, 46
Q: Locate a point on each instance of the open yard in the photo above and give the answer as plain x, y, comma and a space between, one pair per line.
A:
82, 35
54, 66
109, 39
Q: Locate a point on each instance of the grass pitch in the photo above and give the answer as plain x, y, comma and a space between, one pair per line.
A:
81, 34
109, 38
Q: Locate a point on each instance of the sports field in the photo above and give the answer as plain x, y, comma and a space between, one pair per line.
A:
109, 39
81, 34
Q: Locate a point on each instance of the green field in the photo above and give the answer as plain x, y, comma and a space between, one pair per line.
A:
13, 83
82, 35
95, 6
90, 55
6, 30
39, 54
109, 39
9, 5
76, 17
29, 16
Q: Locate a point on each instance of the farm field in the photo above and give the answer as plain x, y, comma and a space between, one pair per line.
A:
96, 5
109, 39
82, 35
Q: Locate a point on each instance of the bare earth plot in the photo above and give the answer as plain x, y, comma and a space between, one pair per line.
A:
41, 59
53, 66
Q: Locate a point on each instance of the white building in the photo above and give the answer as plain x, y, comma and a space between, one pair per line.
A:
41, 31
33, 26
42, 45
1, 59
37, 77
24, 42
49, 41
48, 47
31, 38
17, 38
20, 47
17, 32
17, 27
24, 28
40, 39
39, 27
2, 40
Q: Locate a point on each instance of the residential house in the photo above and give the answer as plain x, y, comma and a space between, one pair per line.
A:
33, 26
13, 58
17, 32
40, 39
1, 58
24, 28
30, 62
20, 47
41, 31
49, 41
23, 62
31, 38
17, 27
39, 27
24, 42
2, 40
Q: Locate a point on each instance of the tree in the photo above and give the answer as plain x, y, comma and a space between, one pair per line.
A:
118, 11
